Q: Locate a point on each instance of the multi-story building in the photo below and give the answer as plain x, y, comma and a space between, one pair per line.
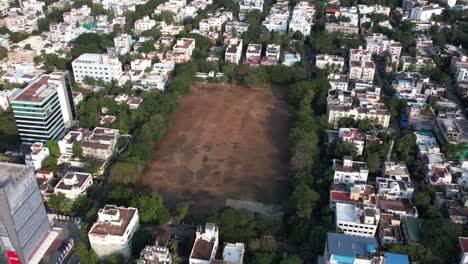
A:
234, 51
302, 17
236, 28
182, 51
360, 55
23, 218
331, 62
144, 24
392, 189
155, 255
362, 71
341, 248
123, 44
278, 18
350, 193
425, 12
378, 44
104, 67
101, 143
459, 66
272, 54
374, 9
234, 253
344, 20
349, 171
338, 81
37, 155
416, 64
174, 6
353, 135
358, 220
113, 231
73, 184
206, 244
377, 113
246, 6
66, 143
44, 108
253, 54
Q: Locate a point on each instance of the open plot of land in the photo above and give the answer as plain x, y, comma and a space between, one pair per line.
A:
225, 142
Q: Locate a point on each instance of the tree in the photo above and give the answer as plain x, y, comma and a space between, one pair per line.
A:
298, 91
372, 161
77, 150
60, 202
140, 239
263, 258
405, 148
167, 17
147, 46
303, 201
263, 244
50, 163
86, 255
151, 208
181, 212
114, 259
441, 237
3, 52
53, 147
291, 259
43, 24
417, 253
123, 172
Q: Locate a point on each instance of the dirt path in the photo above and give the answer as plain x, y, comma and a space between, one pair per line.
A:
225, 142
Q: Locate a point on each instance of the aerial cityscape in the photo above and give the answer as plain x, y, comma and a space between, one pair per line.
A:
233, 131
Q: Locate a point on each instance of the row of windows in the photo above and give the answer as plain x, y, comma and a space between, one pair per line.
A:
95, 68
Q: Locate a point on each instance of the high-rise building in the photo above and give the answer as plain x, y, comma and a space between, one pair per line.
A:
44, 108
24, 225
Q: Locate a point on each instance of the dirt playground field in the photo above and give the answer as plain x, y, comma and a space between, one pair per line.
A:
225, 142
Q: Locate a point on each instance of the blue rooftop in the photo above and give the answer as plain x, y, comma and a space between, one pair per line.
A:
392, 258
350, 246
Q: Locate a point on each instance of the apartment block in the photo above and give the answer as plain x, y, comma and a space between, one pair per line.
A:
424, 13
362, 71
101, 143
349, 171
44, 108
182, 51
104, 67
234, 51
352, 249
378, 44
331, 62
144, 24
278, 18
174, 6
66, 143
357, 220
24, 221
253, 54
236, 28
272, 54
206, 244
302, 18
73, 184
37, 155
416, 63
123, 44
113, 230
234, 253
353, 135
374, 9
392, 189
155, 255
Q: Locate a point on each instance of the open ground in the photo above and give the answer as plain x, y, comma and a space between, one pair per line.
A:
225, 141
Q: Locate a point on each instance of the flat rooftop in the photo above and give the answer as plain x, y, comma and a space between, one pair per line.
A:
10, 172
346, 212
36, 91
116, 229
202, 249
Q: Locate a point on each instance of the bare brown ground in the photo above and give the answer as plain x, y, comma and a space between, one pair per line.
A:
225, 142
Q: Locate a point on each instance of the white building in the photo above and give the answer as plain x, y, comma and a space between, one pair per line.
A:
74, 184
272, 54
353, 135
349, 171
425, 13
113, 231
155, 254
206, 244
377, 112
362, 71
416, 63
101, 143
278, 18
246, 6
181, 51
324, 61
234, 253
144, 24
302, 17
253, 54
358, 220
338, 81
393, 189
236, 28
123, 44
378, 44
104, 67
174, 6
234, 51
37, 155
66, 143
374, 9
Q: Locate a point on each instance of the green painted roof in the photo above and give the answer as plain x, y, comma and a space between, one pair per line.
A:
413, 229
